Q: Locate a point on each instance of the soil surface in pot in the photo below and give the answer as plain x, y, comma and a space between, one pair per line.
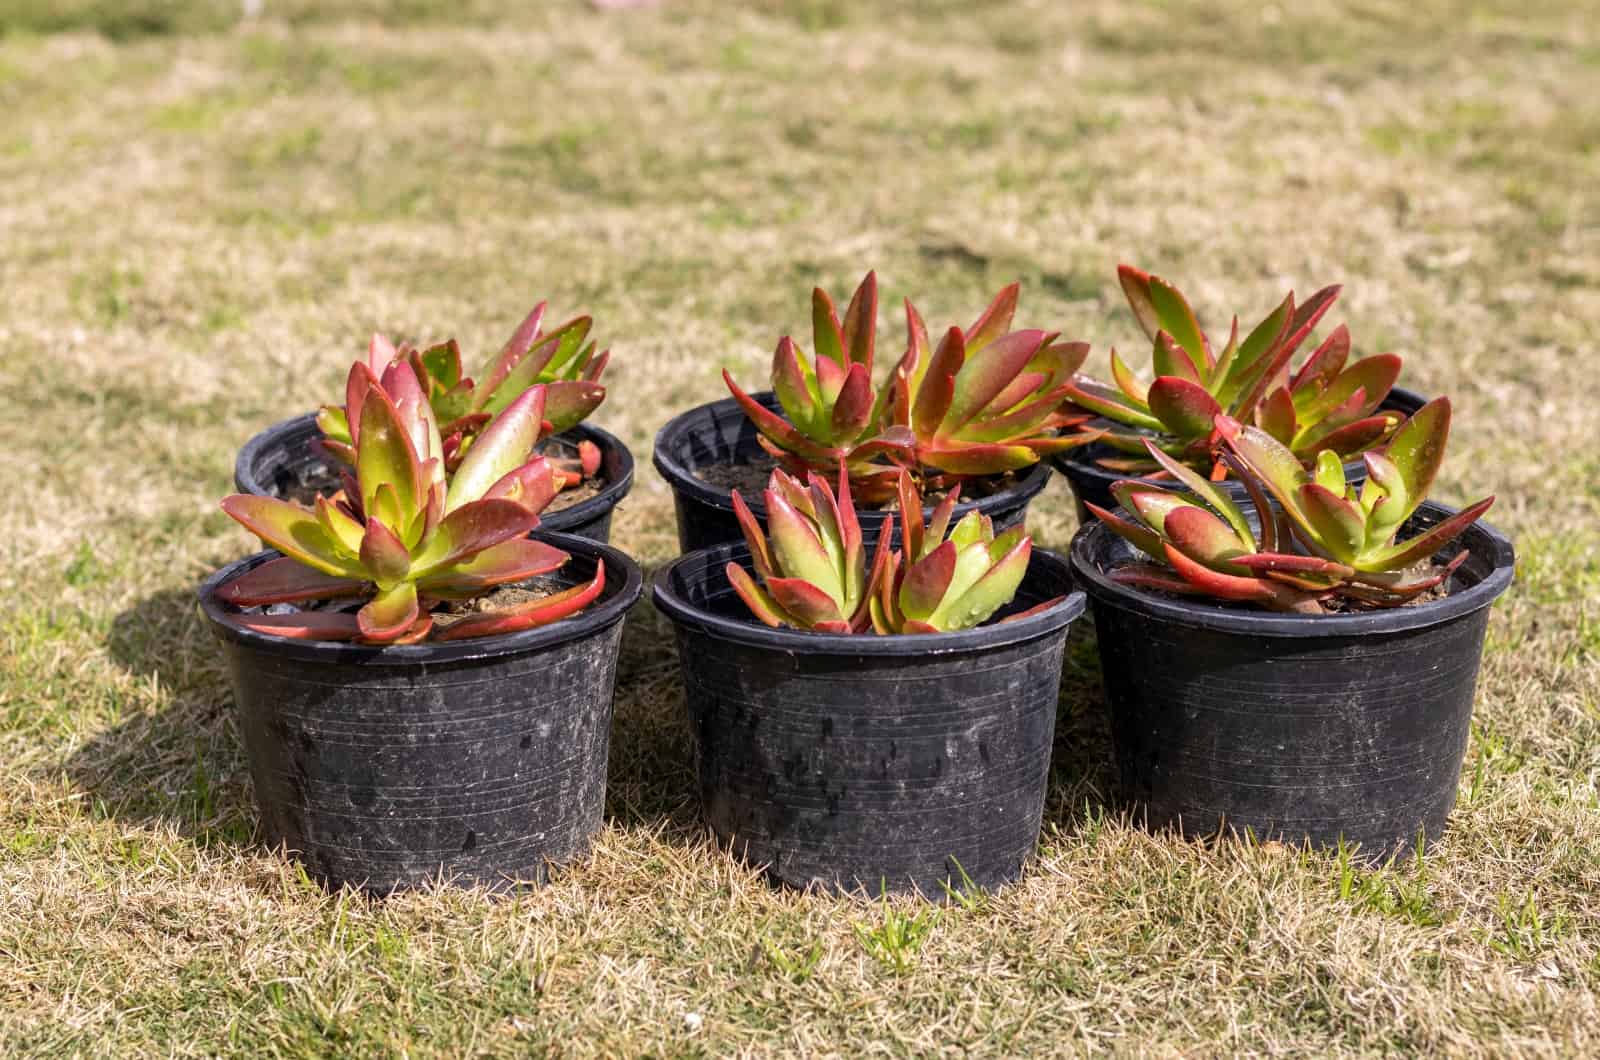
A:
750, 477
449, 612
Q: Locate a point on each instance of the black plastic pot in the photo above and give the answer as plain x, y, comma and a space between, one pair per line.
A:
480, 761
281, 460
720, 433
867, 761
1091, 482
1293, 727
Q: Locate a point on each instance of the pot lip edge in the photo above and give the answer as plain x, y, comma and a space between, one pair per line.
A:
591, 508
1102, 591
682, 614
682, 480
584, 624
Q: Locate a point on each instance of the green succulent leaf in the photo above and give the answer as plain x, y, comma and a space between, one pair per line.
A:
1178, 320
293, 531
503, 447
1417, 450
993, 590
1184, 408
390, 614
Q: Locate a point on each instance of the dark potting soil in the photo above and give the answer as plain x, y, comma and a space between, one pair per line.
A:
450, 611
750, 479
497, 599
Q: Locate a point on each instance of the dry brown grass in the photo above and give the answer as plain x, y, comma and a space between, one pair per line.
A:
202, 216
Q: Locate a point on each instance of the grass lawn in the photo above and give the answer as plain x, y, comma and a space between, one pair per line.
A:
202, 216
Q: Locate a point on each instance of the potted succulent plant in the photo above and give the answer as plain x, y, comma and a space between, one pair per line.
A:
978, 410
423, 689
865, 725
1305, 676
1326, 404
301, 458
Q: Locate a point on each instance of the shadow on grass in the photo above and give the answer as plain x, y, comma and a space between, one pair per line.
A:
1083, 781
651, 779
180, 766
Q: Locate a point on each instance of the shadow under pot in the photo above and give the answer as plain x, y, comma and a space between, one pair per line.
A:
870, 762
699, 447
477, 761
1298, 728
282, 462
1092, 483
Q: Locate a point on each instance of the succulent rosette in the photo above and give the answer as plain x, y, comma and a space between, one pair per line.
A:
402, 532
1327, 404
985, 401
812, 573
1326, 545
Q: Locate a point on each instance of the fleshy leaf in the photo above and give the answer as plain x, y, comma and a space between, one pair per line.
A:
302, 625
995, 320
1208, 491
468, 530
384, 555
926, 581
861, 323
1184, 408
804, 600
1110, 403
991, 592
757, 599
796, 549
1178, 320
510, 561
827, 336
753, 536
285, 580
1405, 553
987, 372
1417, 449
293, 531
389, 614
385, 455
503, 447
1136, 285
1205, 538
1337, 524
1140, 537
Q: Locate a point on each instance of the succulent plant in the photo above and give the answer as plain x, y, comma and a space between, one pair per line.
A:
402, 532
813, 570
561, 360
936, 584
1328, 543
1326, 405
813, 573
988, 400
833, 415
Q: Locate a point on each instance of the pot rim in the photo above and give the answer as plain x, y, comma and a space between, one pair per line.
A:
683, 480
609, 496
804, 642
1481, 538
593, 619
